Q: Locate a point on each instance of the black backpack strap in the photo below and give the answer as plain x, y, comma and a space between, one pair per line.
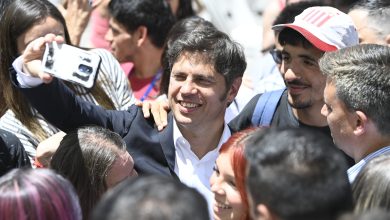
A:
265, 108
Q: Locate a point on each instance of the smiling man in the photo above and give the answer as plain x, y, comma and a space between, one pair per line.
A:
206, 68
315, 31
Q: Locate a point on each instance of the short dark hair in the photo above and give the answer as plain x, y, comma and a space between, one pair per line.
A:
152, 198
214, 47
85, 156
298, 174
181, 27
185, 9
155, 15
292, 37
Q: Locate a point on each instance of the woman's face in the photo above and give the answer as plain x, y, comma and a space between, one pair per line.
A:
227, 199
40, 29
122, 168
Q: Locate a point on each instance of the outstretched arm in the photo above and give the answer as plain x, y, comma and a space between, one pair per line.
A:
56, 102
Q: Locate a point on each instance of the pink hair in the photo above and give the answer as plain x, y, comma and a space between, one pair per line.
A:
37, 194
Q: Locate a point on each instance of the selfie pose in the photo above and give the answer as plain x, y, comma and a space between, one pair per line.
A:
36, 18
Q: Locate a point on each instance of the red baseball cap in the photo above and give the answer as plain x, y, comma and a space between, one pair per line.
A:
327, 28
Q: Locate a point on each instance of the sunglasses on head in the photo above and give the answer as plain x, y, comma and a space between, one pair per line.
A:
276, 55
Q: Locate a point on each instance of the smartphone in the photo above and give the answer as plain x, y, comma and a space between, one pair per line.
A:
71, 64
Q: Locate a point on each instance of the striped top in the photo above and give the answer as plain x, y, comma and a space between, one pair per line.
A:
114, 83
355, 169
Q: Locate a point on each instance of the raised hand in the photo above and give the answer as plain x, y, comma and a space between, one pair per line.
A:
76, 14
32, 56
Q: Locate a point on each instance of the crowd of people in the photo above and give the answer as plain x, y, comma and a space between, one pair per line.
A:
177, 126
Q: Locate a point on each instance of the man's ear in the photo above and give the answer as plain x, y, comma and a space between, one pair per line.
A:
264, 213
361, 123
142, 35
234, 89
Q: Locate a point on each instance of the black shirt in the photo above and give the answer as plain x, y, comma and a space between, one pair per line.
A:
283, 117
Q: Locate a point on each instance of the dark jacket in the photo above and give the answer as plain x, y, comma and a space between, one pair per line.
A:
153, 151
12, 153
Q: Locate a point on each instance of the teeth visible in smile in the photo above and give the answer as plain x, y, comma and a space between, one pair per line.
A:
222, 206
188, 105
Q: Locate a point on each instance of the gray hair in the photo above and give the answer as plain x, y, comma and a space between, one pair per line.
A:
84, 157
361, 75
378, 14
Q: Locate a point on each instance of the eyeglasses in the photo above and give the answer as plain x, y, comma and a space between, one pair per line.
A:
276, 55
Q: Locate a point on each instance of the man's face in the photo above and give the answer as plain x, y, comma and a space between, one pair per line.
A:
340, 119
301, 73
123, 44
367, 33
197, 93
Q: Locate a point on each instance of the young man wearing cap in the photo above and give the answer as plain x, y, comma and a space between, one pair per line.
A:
315, 31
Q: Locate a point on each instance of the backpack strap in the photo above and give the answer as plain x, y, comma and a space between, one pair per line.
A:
265, 108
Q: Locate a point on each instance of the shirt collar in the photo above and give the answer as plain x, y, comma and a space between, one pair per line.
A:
177, 135
355, 169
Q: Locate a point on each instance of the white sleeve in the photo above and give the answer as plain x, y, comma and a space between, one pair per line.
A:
25, 80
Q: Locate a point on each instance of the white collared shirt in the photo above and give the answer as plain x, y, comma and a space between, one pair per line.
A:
355, 169
191, 170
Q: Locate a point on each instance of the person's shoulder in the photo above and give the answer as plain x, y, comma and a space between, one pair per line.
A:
139, 127
136, 113
8, 137
243, 119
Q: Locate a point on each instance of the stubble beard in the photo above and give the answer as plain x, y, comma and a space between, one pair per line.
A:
297, 103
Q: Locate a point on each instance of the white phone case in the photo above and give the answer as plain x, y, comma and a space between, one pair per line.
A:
71, 64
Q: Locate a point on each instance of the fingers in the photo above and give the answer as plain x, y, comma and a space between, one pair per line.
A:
46, 78
76, 14
160, 113
163, 117
155, 109
33, 54
159, 110
138, 103
146, 106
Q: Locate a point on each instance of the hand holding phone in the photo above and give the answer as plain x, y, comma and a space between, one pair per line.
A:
71, 64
